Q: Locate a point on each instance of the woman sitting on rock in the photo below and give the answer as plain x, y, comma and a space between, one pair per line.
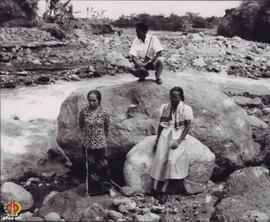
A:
171, 161
94, 125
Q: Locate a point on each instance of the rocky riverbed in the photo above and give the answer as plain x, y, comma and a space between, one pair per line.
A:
226, 83
32, 56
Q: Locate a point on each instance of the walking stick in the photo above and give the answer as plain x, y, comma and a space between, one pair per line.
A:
86, 182
118, 188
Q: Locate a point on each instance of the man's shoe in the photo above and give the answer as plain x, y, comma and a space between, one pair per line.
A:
139, 72
159, 81
141, 79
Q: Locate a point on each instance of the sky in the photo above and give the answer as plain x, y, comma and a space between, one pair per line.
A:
114, 9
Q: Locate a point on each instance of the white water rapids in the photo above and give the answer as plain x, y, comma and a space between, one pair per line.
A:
34, 110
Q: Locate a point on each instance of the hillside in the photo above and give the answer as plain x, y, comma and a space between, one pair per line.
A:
251, 21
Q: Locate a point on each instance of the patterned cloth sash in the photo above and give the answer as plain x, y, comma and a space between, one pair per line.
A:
179, 115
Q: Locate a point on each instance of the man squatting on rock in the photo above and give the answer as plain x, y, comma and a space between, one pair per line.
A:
146, 53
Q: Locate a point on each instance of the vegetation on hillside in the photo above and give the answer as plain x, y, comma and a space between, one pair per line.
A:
23, 11
169, 23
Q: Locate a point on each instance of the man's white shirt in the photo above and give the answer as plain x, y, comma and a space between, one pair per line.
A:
139, 48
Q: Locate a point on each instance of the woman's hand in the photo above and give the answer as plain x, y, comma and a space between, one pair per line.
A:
174, 145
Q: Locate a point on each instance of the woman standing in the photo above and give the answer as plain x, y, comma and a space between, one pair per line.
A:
94, 126
171, 161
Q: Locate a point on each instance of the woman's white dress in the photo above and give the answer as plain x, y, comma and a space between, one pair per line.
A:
171, 163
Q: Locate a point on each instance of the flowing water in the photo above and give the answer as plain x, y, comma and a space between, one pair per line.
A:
23, 109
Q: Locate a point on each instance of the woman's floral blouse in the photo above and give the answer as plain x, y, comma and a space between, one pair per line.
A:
94, 125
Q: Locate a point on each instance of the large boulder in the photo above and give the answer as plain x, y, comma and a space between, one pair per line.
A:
72, 205
134, 109
12, 192
140, 158
249, 21
247, 196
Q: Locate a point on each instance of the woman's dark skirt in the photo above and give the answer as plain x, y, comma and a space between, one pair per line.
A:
98, 176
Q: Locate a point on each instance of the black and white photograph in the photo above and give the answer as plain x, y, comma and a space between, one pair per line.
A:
133, 111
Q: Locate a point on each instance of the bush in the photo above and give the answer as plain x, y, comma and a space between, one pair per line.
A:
169, 23
18, 9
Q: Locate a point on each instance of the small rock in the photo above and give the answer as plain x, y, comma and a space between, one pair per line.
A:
237, 38
210, 183
48, 174
43, 79
22, 73
93, 213
28, 82
199, 62
173, 211
192, 187
129, 191
131, 205
214, 68
49, 196
266, 74
68, 163
89, 69
36, 61
52, 216
245, 101
76, 70
219, 188
74, 77
255, 122
10, 85
144, 210
120, 200
266, 110
34, 179
148, 217
28, 183
248, 57
114, 214
97, 74
123, 208
158, 209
